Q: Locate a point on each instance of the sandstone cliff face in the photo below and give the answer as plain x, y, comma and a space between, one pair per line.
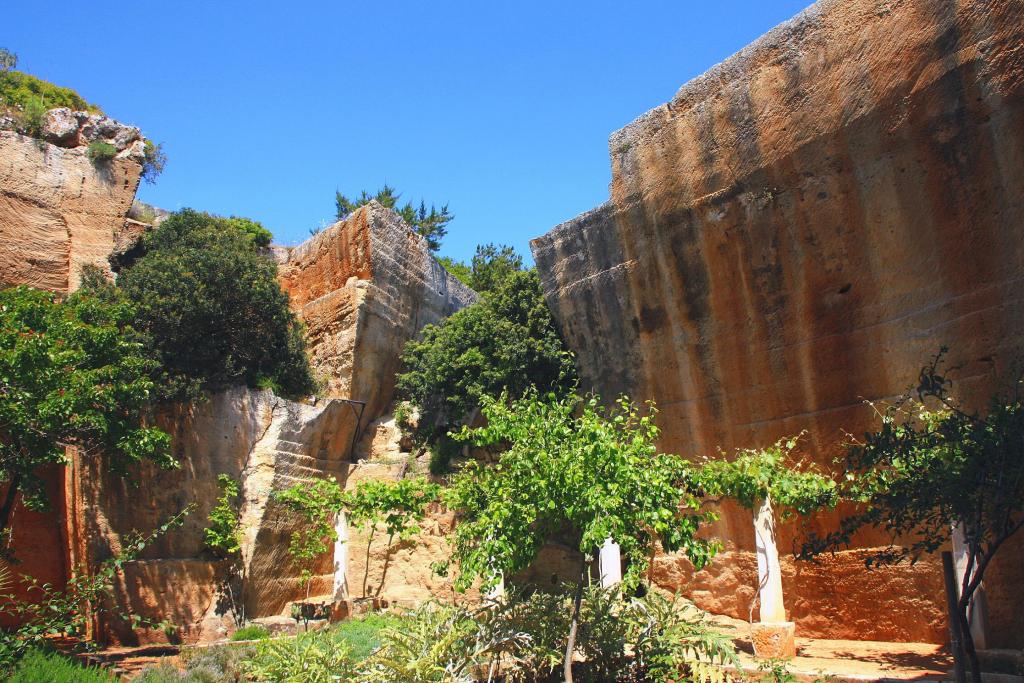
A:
59, 210
365, 286
798, 230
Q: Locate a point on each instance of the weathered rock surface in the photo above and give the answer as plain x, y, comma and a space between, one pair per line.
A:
364, 286
59, 210
798, 230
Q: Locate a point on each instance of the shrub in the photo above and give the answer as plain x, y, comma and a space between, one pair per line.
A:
442, 452
217, 664
18, 90
213, 309
314, 657
39, 666
431, 224
251, 632
153, 161
100, 152
30, 118
363, 633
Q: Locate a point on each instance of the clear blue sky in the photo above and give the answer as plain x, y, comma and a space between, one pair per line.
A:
501, 109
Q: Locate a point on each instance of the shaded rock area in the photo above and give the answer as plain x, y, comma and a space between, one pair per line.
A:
798, 230
58, 209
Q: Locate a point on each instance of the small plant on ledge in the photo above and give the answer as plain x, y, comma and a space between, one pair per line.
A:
100, 152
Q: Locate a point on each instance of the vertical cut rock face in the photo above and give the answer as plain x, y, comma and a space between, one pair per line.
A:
798, 230
58, 209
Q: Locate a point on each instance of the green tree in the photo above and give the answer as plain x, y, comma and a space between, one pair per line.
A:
933, 466
72, 373
489, 269
319, 503
505, 342
154, 159
571, 468
430, 224
223, 537
771, 483
213, 309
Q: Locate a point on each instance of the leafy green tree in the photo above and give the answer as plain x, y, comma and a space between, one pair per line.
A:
223, 537
430, 224
213, 309
319, 503
154, 159
571, 468
72, 373
505, 342
489, 269
769, 482
933, 466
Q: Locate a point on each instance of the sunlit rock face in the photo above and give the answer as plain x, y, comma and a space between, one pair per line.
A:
58, 209
798, 230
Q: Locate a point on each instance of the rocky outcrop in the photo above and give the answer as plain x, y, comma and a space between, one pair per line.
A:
58, 209
364, 287
798, 230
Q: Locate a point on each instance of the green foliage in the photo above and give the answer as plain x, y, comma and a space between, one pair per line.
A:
56, 612
319, 503
442, 452
251, 632
398, 505
776, 671
434, 643
213, 309
507, 342
490, 268
753, 474
223, 536
154, 159
8, 60
100, 152
363, 633
72, 373
431, 224
931, 466
571, 465
314, 657
41, 666
18, 89
31, 117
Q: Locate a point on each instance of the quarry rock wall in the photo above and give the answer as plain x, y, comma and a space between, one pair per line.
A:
58, 209
798, 230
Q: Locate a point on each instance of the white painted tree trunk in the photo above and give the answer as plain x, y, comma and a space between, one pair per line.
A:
341, 557
769, 572
610, 564
498, 591
977, 611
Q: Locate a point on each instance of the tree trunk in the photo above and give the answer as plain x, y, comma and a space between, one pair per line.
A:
570, 646
9, 498
387, 562
953, 613
366, 571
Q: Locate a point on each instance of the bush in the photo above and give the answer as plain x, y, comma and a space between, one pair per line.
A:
314, 657
39, 666
442, 452
100, 152
153, 161
363, 634
18, 90
505, 342
218, 664
251, 632
212, 308
30, 118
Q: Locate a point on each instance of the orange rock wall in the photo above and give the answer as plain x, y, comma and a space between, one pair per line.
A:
798, 230
59, 211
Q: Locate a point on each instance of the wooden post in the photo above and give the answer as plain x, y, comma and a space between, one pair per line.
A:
955, 639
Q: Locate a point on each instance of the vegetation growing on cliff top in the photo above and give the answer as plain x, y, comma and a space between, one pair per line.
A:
489, 268
212, 308
430, 224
